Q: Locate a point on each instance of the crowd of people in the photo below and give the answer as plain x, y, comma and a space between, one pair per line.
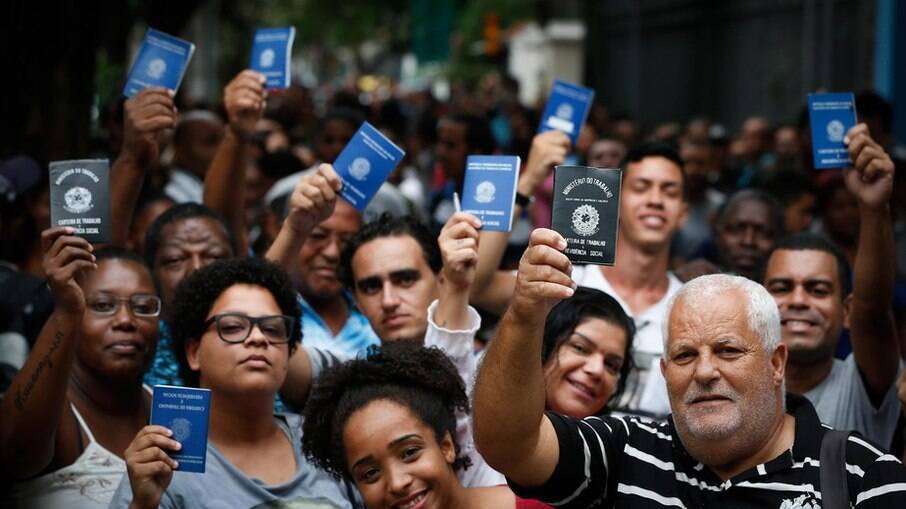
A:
403, 357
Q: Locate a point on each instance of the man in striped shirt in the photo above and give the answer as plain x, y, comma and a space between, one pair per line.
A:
734, 438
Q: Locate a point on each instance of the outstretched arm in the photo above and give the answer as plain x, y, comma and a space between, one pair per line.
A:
493, 288
224, 189
872, 325
511, 431
146, 114
31, 411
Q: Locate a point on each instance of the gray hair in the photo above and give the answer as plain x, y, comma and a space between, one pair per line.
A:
763, 315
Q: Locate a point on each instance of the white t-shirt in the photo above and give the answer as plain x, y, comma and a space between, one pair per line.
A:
645, 389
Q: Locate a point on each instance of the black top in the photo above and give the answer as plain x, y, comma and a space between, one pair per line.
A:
628, 462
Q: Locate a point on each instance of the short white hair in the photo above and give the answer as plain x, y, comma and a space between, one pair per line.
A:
763, 315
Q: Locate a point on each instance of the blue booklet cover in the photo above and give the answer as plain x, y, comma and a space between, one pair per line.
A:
271, 54
364, 165
489, 190
184, 410
161, 62
567, 108
831, 115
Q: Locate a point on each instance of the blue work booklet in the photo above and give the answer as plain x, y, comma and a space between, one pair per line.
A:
272, 50
567, 108
830, 116
161, 62
489, 190
364, 165
184, 411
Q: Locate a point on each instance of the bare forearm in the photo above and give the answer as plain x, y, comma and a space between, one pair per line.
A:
224, 189
285, 248
873, 329
30, 412
298, 379
509, 393
126, 180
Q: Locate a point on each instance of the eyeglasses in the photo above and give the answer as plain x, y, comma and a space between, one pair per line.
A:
235, 328
140, 305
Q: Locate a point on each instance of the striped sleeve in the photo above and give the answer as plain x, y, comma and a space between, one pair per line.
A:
582, 474
884, 479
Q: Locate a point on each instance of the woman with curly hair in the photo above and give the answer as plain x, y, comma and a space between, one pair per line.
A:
387, 422
586, 353
237, 322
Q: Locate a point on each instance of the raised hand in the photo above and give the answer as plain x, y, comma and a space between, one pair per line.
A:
64, 256
459, 248
871, 177
150, 469
548, 150
544, 273
147, 113
244, 99
313, 199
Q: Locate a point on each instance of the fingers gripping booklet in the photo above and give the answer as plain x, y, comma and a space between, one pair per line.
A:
184, 411
586, 212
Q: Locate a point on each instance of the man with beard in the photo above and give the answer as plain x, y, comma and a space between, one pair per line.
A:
809, 279
734, 439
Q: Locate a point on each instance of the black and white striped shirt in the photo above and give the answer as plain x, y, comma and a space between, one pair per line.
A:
627, 462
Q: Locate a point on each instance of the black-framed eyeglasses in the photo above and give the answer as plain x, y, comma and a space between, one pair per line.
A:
140, 305
235, 327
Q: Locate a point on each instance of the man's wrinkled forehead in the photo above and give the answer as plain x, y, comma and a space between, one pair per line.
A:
802, 265
194, 230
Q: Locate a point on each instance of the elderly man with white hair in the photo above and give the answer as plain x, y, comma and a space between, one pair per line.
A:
735, 439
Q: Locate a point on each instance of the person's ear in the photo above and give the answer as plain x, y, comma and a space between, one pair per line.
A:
847, 309
778, 364
447, 448
192, 347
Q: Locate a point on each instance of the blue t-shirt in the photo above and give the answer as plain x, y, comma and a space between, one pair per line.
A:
352, 341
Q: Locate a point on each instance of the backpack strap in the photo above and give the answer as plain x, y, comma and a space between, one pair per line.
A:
834, 488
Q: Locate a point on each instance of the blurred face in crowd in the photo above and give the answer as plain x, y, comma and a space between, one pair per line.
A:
581, 375
786, 142
196, 144
187, 245
114, 341
451, 149
255, 365
394, 286
606, 153
807, 288
696, 161
652, 207
746, 237
798, 213
396, 459
724, 386
626, 131
316, 275
334, 136
755, 136
841, 215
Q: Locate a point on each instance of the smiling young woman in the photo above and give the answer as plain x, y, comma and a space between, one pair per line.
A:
386, 422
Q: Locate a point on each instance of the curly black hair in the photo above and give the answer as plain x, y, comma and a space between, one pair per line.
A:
388, 226
421, 379
587, 303
196, 294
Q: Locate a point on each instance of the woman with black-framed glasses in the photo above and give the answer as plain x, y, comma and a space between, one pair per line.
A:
77, 402
236, 323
